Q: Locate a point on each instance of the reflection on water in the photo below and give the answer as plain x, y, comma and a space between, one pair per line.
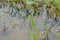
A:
13, 25
6, 33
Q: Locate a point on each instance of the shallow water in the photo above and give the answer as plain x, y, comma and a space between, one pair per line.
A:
14, 30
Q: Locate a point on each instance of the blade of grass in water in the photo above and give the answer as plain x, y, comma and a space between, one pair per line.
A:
33, 24
35, 36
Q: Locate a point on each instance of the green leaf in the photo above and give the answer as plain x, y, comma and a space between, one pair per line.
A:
30, 2
31, 35
58, 36
38, 35
34, 37
57, 1
33, 24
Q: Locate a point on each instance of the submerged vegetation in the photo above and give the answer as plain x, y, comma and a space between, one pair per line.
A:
32, 8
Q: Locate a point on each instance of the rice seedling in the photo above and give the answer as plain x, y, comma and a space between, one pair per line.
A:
34, 35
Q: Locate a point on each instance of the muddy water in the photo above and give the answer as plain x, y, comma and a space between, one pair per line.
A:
11, 29
12, 25
13, 32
